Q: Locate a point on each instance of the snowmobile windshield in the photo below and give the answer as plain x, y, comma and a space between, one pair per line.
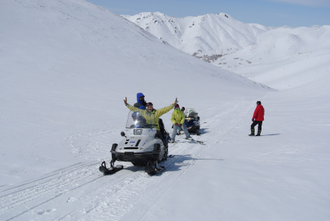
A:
191, 113
140, 119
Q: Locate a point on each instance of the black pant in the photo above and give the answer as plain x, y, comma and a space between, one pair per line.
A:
255, 123
161, 136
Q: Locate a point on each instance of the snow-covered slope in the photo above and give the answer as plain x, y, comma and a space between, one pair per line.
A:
284, 55
70, 64
205, 35
263, 54
65, 67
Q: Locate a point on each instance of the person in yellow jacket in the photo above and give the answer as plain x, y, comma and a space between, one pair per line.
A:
152, 116
177, 119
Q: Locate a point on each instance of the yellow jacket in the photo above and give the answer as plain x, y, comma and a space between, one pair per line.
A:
177, 117
152, 117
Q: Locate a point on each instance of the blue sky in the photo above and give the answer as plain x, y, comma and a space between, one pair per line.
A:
293, 13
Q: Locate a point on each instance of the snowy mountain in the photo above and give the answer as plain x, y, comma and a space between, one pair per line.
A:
208, 35
251, 50
65, 68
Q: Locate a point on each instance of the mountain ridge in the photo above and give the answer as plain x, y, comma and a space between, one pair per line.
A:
186, 30
241, 48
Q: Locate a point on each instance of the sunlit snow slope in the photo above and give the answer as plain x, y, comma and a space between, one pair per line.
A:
65, 68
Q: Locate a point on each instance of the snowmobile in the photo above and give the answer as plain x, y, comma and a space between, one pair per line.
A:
192, 121
141, 146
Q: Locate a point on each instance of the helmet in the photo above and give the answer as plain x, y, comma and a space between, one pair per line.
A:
135, 115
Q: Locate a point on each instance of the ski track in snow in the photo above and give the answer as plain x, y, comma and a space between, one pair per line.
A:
232, 111
88, 194
111, 198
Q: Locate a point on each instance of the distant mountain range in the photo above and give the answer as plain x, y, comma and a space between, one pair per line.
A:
246, 49
208, 35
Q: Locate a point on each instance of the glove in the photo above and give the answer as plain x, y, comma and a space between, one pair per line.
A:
176, 101
176, 124
252, 120
180, 125
125, 101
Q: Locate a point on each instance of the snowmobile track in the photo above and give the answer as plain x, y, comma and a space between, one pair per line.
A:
53, 186
84, 190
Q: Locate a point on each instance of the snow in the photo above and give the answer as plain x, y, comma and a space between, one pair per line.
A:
263, 54
65, 68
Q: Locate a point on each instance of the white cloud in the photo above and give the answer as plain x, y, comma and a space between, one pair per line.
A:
313, 3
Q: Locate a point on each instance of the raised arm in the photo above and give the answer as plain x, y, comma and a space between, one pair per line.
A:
164, 110
132, 108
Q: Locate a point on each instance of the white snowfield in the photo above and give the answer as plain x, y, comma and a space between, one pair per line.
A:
65, 68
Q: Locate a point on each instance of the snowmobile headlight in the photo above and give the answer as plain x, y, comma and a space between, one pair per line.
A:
137, 131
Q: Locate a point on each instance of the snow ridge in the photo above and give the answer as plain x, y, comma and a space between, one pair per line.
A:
246, 49
202, 35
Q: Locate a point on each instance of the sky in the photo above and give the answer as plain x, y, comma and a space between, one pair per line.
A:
276, 13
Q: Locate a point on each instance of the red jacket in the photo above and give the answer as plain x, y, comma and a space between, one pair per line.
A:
259, 113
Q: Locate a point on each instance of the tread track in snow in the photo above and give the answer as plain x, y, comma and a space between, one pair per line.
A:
86, 192
81, 191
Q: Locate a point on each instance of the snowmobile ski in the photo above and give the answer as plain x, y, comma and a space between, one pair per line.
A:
196, 141
157, 171
103, 168
152, 168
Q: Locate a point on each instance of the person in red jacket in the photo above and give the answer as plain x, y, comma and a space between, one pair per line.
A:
258, 118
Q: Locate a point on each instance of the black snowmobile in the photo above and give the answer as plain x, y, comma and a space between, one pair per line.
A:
192, 121
140, 146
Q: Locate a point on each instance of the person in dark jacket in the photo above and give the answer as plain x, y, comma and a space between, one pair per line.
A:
141, 103
257, 119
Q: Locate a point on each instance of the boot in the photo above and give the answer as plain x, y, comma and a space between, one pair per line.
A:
252, 132
259, 132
